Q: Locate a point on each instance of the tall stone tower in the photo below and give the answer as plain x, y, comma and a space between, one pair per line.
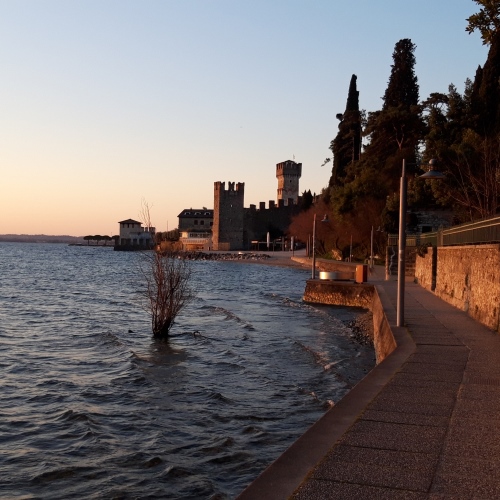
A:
288, 174
227, 229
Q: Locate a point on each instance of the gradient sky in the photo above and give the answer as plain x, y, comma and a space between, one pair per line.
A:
105, 103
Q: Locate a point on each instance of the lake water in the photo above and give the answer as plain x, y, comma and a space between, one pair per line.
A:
92, 407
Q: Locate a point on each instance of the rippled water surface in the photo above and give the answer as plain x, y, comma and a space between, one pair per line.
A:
92, 407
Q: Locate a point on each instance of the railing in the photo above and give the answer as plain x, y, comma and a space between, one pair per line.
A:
470, 233
483, 231
411, 240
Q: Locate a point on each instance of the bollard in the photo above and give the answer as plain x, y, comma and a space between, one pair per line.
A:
361, 273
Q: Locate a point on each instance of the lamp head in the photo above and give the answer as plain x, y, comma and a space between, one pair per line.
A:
433, 172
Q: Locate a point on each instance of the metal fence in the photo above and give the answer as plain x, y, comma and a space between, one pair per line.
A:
471, 233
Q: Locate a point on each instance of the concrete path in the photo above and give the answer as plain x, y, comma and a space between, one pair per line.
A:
430, 429
433, 430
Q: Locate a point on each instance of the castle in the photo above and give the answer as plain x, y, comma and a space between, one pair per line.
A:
238, 228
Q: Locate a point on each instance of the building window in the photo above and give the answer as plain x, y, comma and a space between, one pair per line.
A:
195, 222
202, 222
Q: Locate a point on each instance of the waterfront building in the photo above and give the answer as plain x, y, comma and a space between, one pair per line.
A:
133, 236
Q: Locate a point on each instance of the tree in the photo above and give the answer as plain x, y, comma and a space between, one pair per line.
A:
307, 200
395, 131
487, 20
471, 160
402, 89
346, 147
487, 85
167, 276
393, 134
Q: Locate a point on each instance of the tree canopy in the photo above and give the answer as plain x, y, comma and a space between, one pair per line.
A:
486, 21
460, 129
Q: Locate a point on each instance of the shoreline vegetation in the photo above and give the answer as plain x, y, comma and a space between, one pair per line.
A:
40, 238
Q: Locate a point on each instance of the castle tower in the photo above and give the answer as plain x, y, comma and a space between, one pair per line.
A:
288, 174
227, 229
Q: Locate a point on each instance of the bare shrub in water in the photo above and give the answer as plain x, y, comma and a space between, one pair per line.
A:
167, 277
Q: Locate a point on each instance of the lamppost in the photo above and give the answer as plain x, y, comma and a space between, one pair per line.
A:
432, 173
371, 250
313, 271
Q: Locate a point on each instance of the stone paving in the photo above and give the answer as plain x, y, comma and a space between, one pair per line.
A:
433, 430
428, 427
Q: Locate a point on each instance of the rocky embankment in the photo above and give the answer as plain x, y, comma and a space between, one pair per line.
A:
362, 328
225, 256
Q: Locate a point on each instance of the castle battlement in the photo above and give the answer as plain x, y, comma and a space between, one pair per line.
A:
288, 167
273, 205
237, 187
235, 227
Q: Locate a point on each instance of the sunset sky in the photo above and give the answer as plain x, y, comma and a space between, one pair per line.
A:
105, 103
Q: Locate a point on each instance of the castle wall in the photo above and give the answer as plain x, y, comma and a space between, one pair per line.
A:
228, 224
274, 220
235, 227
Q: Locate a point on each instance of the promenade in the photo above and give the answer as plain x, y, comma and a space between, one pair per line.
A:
423, 424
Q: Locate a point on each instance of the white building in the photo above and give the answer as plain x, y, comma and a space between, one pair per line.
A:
196, 240
134, 236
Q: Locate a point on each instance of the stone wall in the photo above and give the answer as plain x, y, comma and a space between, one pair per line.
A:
327, 265
355, 295
227, 229
468, 277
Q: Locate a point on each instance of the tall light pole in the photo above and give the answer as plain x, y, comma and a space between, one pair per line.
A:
401, 248
313, 271
371, 250
432, 173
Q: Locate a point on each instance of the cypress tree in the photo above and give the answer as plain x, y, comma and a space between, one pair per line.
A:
396, 130
347, 144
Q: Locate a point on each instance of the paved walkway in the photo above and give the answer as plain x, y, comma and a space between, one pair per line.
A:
430, 430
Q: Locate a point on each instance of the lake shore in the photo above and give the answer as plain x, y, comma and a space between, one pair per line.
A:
359, 321
281, 259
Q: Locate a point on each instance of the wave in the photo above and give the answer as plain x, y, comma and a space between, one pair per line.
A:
229, 316
320, 358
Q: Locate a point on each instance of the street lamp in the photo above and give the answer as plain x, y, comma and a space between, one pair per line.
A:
432, 173
313, 272
371, 250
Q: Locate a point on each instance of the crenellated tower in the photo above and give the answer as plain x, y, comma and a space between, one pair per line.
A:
227, 229
288, 174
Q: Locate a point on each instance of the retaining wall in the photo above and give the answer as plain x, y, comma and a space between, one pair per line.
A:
326, 264
468, 277
355, 295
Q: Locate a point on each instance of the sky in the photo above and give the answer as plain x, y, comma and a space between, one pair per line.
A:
105, 104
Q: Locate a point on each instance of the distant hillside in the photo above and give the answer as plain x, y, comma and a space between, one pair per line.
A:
40, 238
